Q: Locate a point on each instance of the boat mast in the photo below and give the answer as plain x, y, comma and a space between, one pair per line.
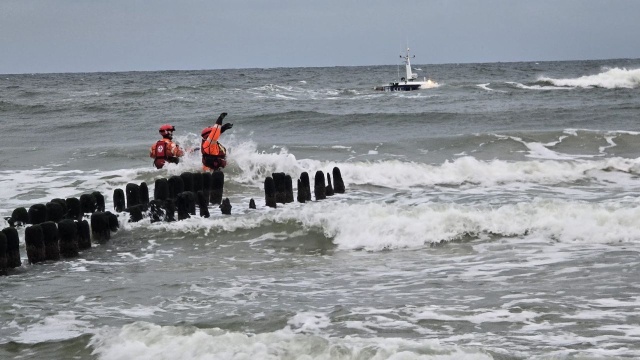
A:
410, 75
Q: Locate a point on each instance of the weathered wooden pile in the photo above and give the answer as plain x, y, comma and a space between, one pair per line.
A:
59, 229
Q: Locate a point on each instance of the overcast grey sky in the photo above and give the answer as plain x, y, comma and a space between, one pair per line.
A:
121, 35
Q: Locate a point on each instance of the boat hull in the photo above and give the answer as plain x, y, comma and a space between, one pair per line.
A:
398, 87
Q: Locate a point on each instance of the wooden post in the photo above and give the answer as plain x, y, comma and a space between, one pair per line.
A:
69, 239
4, 260
20, 216
329, 188
281, 190
217, 187
319, 189
176, 186
99, 201
37, 214
55, 211
338, 184
50, 239
203, 204
118, 200
133, 195
197, 182
144, 193
100, 227
161, 189
182, 203
187, 179
87, 204
82, 242
34, 242
13, 247
269, 192
306, 184
288, 189
302, 196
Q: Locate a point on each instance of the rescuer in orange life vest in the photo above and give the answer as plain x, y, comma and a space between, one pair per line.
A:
165, 149
213, 153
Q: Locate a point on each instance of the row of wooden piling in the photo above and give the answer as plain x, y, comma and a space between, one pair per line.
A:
58, 229
278, 188
182, 193
55, 230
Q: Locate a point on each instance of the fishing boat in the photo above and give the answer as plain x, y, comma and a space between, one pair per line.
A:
410, 81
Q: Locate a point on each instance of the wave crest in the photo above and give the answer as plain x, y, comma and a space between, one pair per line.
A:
611, 78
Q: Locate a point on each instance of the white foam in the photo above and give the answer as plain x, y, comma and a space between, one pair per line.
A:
535, 87
62, 326
486, 87
148, 341
610, 78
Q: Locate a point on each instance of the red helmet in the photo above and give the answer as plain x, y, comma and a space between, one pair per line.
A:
167, 127
206, 131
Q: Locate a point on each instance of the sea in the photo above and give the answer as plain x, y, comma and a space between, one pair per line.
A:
495, 216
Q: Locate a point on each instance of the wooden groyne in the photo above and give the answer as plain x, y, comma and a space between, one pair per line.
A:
63, 228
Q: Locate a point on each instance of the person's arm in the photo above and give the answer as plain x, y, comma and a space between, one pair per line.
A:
178, 151
220, 118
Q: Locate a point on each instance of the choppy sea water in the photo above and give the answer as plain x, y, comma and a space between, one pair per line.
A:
493, 217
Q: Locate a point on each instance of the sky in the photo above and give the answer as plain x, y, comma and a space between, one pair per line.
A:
45, 36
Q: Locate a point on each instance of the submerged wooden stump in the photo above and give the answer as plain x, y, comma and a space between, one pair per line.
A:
156, 210
170, 210
225, 207
136, 213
